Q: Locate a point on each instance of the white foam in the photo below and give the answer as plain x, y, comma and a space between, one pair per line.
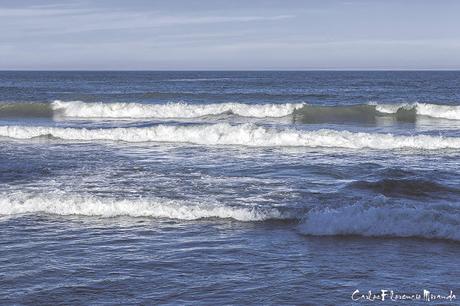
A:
78, 109
441, 222
439, 111
64, 204
242, 134
391, 108
451, 112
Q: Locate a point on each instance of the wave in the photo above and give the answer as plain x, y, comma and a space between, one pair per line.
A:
242, 134
64, 204
433, 223
335, 114
78, 109
204, 79
373, 112
301, 112
405, 187
451, 112
26, 110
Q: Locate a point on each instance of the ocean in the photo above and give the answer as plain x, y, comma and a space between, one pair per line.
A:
229, 187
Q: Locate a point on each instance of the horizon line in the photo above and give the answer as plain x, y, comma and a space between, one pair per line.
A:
235, 70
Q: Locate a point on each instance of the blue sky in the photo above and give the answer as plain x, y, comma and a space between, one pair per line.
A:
230, 34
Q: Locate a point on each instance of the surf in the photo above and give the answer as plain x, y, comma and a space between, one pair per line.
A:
251, 135
65, 204
78, 109
300, 112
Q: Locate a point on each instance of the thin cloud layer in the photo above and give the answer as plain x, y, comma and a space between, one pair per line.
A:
217, 35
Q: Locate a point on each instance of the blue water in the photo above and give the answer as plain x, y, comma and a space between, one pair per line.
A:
228, 187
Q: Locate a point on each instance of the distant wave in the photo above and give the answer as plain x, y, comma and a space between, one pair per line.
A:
422, 109
437, 222
204, 79
242, 134
302, 112
26, 110
372, 112
78, 109
60, 204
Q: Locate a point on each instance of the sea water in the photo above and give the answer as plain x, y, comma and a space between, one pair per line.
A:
228, 187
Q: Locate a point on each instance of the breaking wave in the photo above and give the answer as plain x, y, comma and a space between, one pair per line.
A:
435, 223
242, 134
451, 112
303, 113
60, 204
373, 112
78, 109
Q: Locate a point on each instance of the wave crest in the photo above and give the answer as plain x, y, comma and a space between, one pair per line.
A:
60, 204
451, 112
242, 134
302, 112
373, 112
78, 109
438, 223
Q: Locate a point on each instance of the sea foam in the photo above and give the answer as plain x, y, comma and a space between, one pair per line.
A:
241, 134
86, 205
451, 112
78, 109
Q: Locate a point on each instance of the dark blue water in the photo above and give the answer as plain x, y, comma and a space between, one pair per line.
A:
213, 87
228, 187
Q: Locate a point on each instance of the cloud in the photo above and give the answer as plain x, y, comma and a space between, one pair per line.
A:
206, 33
53, 19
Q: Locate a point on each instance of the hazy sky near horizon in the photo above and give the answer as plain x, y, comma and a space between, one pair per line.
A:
230, 34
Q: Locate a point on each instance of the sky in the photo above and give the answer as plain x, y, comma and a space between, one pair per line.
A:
229, 34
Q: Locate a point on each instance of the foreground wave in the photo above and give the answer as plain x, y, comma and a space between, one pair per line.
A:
436, 222
441, 222
64, 204
242, 134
